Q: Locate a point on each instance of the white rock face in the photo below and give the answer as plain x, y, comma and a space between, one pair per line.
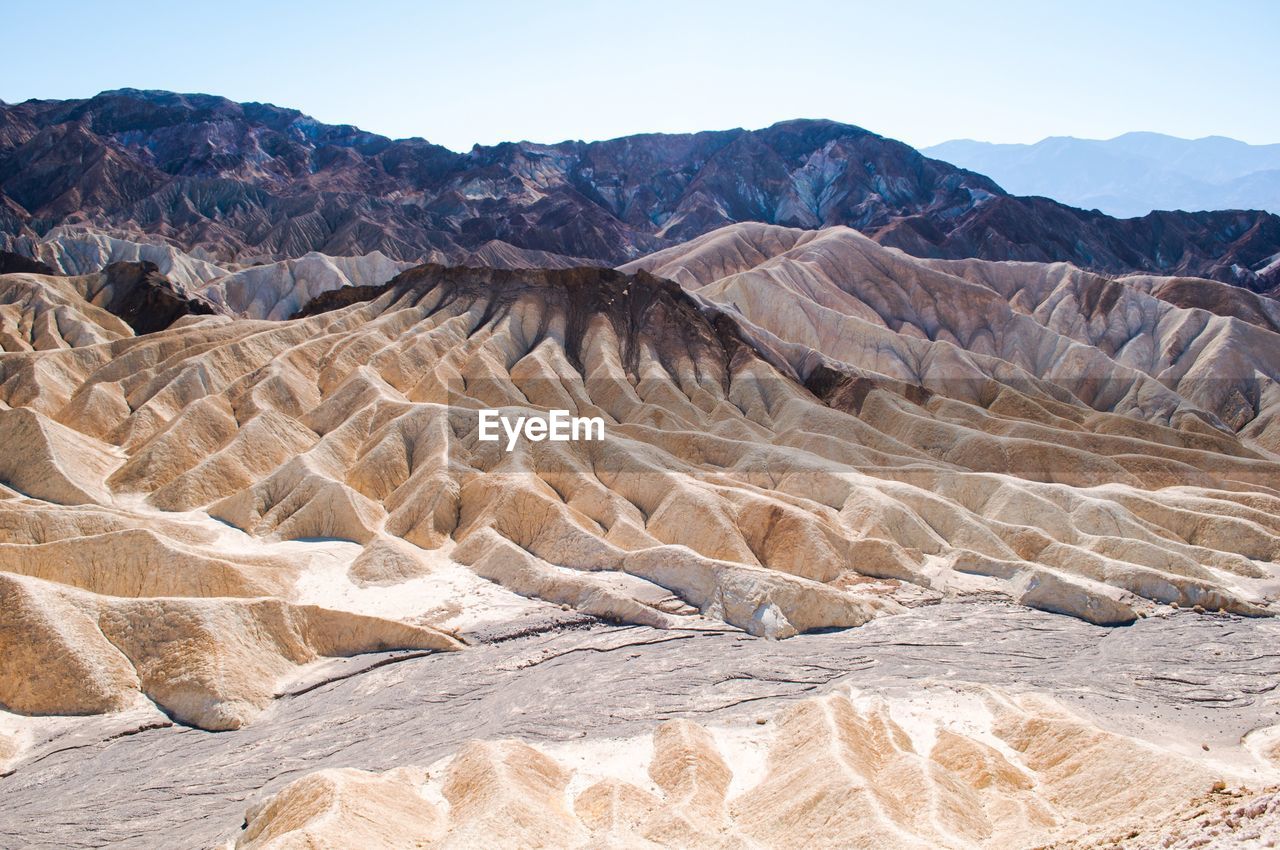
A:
78, 252
278, 290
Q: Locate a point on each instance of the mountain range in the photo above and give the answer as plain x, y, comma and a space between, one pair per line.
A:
1132, 174
233, 182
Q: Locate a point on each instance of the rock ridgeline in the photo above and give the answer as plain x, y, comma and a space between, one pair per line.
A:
253, 182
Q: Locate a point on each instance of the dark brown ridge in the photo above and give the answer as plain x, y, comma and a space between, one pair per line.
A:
146, 299
845, 391
641, 307
11, 263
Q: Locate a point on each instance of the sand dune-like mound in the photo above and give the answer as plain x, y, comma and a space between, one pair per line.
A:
211, 663
40, 312
49, 461
968, 769
141, 563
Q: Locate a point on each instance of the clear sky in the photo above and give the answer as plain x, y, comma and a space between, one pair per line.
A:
459, 73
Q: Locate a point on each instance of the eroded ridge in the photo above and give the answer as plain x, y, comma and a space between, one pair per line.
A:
745, 479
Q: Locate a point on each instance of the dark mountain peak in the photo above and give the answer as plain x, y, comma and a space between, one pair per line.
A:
134, 110
809, 124
811, 131
159, 96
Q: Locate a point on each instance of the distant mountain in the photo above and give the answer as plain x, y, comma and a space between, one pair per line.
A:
230, 182
1130, 175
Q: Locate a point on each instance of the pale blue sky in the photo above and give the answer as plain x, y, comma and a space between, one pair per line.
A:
458, 73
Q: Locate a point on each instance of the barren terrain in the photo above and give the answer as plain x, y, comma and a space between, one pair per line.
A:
876, 551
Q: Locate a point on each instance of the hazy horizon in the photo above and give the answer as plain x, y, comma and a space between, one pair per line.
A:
923, 72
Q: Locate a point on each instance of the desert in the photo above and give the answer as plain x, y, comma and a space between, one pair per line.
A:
750, 488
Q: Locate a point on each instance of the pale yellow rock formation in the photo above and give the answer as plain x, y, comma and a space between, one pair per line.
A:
48, 461
14, 742
506, 794
615, 811
40, 313
55, 658
212, 663
334, 809
8, 749
138, 562
694, 780
1224, 819
388, 561
840, 772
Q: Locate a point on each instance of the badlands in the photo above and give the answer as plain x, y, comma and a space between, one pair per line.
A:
877, 551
